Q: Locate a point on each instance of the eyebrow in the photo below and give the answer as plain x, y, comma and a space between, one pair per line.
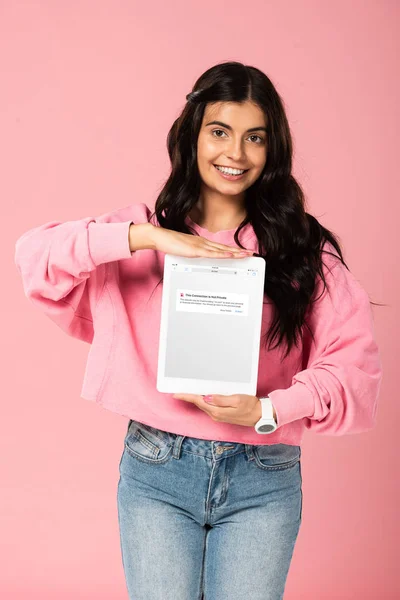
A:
230, 128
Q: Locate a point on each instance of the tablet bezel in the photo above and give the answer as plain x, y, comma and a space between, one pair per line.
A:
202, 386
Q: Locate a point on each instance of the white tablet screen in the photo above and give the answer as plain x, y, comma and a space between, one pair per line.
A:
210, 321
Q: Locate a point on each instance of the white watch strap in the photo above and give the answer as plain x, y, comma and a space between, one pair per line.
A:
267, 410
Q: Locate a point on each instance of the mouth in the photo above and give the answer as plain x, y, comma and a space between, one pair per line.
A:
228, 176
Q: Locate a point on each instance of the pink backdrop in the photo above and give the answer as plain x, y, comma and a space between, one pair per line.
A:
89, 91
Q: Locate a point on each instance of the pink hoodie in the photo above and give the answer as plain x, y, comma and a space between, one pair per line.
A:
83, 276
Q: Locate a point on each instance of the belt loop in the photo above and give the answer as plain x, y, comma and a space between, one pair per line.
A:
249, 451
176, 452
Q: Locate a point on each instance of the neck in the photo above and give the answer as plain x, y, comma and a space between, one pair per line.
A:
217, 212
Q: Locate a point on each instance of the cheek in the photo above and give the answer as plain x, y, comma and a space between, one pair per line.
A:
209, 155
207, 150
259, 162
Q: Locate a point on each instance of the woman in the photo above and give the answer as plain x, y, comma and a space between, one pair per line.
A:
206, 503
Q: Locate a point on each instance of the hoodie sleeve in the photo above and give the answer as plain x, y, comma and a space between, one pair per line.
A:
62, 266
337, 391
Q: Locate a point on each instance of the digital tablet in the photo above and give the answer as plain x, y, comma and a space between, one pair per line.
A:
211, 314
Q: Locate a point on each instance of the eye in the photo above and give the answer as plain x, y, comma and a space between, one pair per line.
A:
214, 130
259, 137
252, 136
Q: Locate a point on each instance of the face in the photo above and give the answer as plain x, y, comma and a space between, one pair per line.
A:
237, 140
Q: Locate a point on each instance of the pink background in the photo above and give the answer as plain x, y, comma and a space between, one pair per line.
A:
89, 92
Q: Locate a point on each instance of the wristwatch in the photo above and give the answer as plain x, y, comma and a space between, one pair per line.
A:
267, 423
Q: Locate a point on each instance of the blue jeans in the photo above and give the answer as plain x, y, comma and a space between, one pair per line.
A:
206, 519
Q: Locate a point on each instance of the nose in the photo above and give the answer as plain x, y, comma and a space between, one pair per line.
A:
235, 151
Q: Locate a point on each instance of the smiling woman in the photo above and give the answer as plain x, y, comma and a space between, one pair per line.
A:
202, 496
232, 152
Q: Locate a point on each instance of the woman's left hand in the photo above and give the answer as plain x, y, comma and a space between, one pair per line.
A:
238, 409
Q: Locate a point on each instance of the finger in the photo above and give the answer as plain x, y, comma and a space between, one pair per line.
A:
188, 397
225, 253
226, 247
200, 400
197, 400
232, 251
224, 401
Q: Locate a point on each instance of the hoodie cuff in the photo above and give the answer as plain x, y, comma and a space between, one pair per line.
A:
295, 402
109, 241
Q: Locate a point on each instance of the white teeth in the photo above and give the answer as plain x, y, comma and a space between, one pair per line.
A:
230, 171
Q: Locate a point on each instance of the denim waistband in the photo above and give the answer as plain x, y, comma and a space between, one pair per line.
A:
214, 449
208, 448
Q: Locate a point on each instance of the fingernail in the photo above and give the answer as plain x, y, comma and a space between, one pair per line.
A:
207, 398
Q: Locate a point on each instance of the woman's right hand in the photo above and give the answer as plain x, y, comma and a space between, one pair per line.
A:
181, 244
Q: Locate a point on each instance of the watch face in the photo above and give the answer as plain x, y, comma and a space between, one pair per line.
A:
266, 428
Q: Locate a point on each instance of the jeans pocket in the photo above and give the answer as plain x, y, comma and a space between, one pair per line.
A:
148, 443
275, 457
